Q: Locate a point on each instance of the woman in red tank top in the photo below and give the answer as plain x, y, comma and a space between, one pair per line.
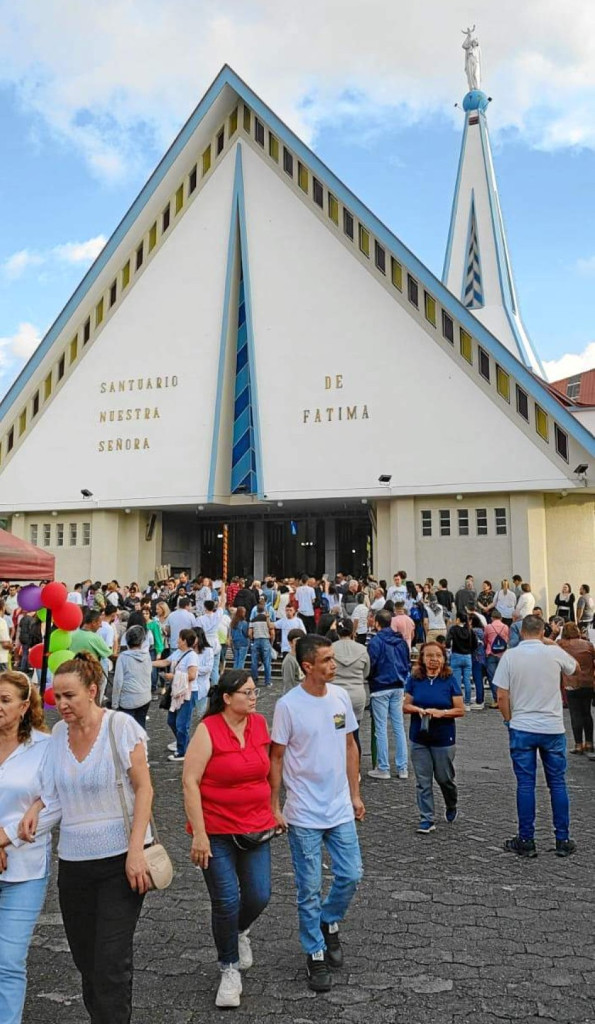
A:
226, 796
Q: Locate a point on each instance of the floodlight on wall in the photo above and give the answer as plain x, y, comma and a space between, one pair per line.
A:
385, 478
86, 493
581, 469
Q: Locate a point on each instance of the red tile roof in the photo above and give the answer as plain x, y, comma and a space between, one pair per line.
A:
586, 395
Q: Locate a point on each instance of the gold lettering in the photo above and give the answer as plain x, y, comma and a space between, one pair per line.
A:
101, 446
329, 413
118, 444
121, 385
111, 387
174, 381
317, 418
365, 413
327, 383
136, 444
146, 443
102, 417
339, 381
156, 415
129, 414
352, 412
102, 388
340, 412
306, 415
158, 382
130, 385
149, 384
110, 446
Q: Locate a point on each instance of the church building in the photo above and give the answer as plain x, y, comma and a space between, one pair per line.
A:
240, 364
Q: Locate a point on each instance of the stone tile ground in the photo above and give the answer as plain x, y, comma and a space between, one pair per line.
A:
445, 929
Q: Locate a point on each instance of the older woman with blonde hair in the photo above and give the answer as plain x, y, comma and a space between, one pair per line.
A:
24, 868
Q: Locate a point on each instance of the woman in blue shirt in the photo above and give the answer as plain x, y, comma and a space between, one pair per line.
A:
239, 637
433, 698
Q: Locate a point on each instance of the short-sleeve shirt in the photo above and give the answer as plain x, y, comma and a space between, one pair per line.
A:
234, 789
284, 625
433, 693
305, 597
531, 674
314, 732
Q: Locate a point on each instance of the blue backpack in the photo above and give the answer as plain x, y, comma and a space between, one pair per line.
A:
416, 612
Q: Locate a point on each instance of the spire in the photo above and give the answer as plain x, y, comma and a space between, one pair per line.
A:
477, 266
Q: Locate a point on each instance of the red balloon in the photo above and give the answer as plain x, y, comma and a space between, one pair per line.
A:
68, 616
54, 595
36, 656
49, 698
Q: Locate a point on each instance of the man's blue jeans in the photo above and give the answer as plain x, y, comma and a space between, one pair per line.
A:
389, 704
492, 661
346, 865
239, 884
552, 750
261, 651
180, 721
20, 906
461, 670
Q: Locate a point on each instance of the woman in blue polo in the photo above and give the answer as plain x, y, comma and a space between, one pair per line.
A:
433, 698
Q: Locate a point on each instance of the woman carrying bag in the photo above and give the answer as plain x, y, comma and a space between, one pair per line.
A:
191, 666
228, 804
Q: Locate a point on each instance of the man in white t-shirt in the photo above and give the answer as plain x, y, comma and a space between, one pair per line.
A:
305, 596
287, 622
314, 751
528, 685
397, 590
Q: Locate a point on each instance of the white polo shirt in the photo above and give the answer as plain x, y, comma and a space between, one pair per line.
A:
531, 674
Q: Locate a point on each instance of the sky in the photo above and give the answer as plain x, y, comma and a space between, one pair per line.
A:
92, 94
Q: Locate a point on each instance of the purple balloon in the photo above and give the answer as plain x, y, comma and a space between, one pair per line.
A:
29, 598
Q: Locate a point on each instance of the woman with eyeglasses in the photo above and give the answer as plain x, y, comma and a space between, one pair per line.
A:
228, 804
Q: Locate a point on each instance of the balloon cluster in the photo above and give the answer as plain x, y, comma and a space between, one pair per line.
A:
66, 617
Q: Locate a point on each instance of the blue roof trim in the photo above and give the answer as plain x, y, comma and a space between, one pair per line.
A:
450, 303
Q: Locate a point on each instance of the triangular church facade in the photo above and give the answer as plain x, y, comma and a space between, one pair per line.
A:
255, 359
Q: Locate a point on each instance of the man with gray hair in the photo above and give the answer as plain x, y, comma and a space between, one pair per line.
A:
528, 686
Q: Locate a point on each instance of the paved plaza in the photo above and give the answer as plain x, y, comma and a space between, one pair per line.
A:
445, 929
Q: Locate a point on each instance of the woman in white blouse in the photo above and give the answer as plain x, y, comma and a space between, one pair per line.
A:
102, 874
24, 869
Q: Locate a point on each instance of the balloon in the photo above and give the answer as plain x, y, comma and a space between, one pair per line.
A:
54, 595
42, 614
59, 640
68, 616
36, 656
49, 698
58, 658
29, 598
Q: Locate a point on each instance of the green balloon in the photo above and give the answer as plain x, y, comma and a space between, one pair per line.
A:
58, 658
42, 614
59, 640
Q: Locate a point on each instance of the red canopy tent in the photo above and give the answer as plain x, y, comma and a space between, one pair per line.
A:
20, 560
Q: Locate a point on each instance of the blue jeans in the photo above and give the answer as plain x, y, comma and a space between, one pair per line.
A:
389, 704
461, 670
552, 750
477, 673
20, 906
239, 655
491, 665
180, 721
346, 864
431, 763
261, 651
239, 884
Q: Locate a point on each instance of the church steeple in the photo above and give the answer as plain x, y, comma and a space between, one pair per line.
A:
477, 266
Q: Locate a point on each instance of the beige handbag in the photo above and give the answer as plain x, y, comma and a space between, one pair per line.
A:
159, 865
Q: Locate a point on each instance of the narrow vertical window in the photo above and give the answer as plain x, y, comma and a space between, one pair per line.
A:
206, 161
22, 422
10, 440
59, 535
126, 275
113, 291
481, 522
74, 345
379, 257
140, 255
333, 208
99, 313
47, 534
192, 180
444, 522
180, 198
483, 363
413, 291
165, 219
86, 534
220, 141
152, 244
500, 521
47, 387
364, 240
430, 308
561, 442
348, 224
287, 162
33, 533
247, 119
233, 122
502, 383
466, 345
36, 403
541, 423
61, 367
463, 519
396, 273
317, 192
259, 132
448, 328
522, 403
426, 522
87, 330
72, 534
303, 177
273, 148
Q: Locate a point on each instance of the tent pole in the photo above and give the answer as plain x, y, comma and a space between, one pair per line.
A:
46, 653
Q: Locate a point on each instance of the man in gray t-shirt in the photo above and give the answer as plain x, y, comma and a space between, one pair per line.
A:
529, 697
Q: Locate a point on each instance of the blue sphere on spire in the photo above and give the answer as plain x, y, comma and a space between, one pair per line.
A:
476, 100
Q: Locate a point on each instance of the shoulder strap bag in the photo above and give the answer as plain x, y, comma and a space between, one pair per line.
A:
159, 865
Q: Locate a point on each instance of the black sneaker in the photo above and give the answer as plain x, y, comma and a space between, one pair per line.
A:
524, 847
318, 971
334, 953
564, 847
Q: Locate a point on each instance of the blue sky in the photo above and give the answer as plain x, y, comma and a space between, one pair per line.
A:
372, 90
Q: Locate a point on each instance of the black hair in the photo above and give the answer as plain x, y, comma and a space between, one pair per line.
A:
91, 616
201, 639
344, 628
229, 682
383, 618
209, 605
306, 647
183, 602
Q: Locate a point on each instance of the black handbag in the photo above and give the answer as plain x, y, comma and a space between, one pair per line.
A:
165, 702
252, 840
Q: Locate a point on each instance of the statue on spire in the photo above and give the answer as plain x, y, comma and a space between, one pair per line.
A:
472, 59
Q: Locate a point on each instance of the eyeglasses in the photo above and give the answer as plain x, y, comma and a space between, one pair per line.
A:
249, 693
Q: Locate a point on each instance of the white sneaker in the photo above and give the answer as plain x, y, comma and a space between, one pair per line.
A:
230, 987
172, 746
467, 707
477, 707
245, 950
404, 773
376, 773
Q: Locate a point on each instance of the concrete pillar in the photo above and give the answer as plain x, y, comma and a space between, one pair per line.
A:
403, 533
528, 541
259, 549
330, 548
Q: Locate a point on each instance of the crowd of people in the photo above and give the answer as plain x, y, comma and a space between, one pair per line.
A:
409, 652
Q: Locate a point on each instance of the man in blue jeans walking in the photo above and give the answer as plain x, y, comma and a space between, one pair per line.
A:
315, 753
528, 685
389, 669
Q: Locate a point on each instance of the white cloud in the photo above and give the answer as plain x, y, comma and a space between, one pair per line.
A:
571, 363
15, 350
115, 79
69, 252
586, 266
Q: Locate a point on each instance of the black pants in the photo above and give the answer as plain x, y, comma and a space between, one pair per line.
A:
100, 912
309, 622
581, 720
139, 714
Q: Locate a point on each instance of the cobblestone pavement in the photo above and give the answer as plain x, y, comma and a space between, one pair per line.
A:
445, 929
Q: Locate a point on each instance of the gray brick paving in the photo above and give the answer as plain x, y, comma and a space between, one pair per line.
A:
445, 929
